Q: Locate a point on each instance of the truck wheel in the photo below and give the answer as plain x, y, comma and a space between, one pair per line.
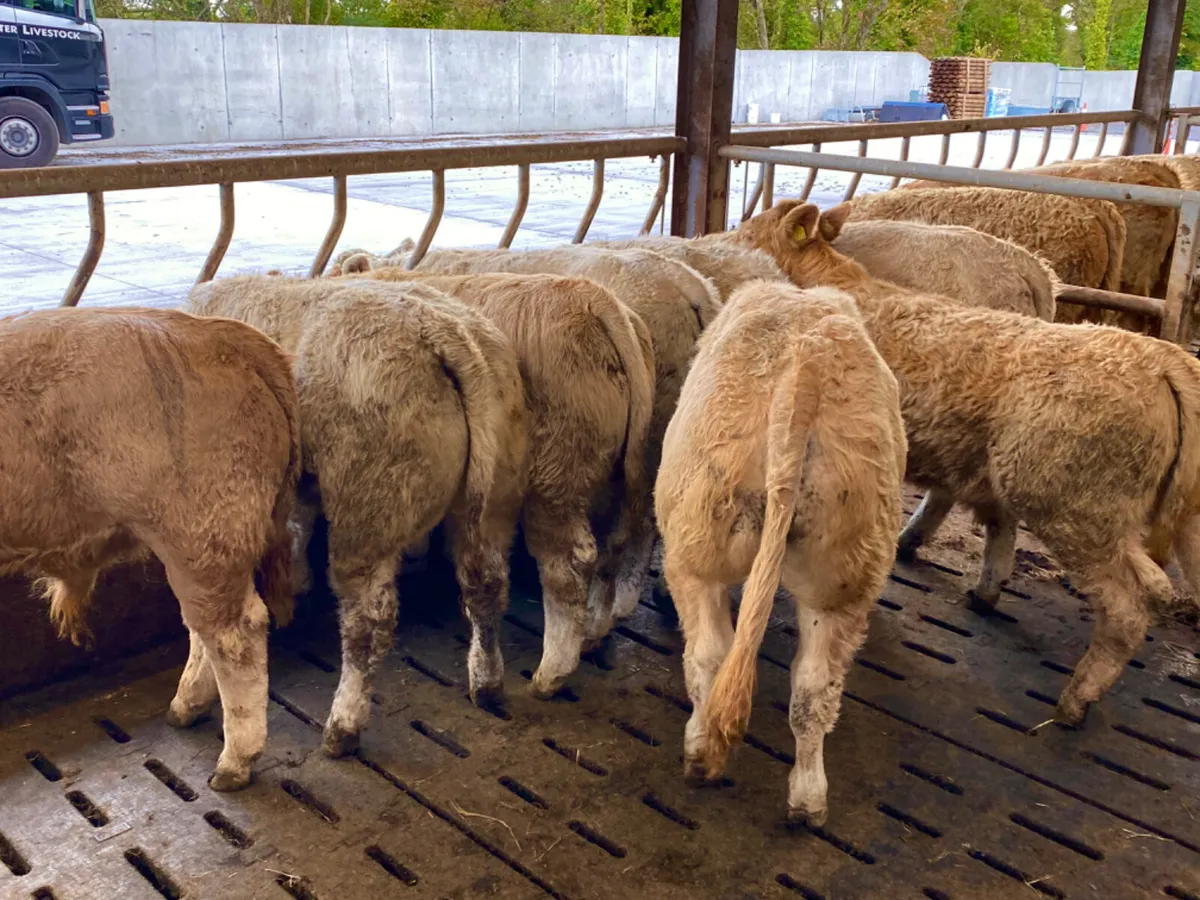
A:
28, 135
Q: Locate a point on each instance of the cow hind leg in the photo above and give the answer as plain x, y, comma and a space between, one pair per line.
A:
1122, 589
566, 554
300, 526
367, 606
999, 558
934, 508
632, 569
482, 570
197, 689
1187, 552
707, 638
235, 646
828, 642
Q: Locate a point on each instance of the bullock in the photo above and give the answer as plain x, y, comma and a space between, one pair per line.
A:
1090, 435
412, 413
674, 302
125, 432
783, 463
1082, 240
588, 371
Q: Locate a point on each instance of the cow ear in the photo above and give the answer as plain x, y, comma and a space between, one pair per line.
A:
800, 224
833, 220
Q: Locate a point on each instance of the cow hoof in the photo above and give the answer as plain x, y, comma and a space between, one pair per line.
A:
226, 782
187, 719
601, 652
906, 552
1071, 713
803, 818
979, 604
490, 698
540, 691
337, 743
695, 773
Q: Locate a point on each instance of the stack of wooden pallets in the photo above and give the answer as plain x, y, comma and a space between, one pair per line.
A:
961, 82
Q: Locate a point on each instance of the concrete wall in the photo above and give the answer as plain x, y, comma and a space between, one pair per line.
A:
191, 82
803, 84
1032, 84
188, 82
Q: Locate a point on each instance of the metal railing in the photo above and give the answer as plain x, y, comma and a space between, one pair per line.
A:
1182, 118
227, 168
1174, 311
187, 168
816, 135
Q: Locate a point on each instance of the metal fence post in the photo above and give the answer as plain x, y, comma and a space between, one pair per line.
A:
704, 113
224, 236
335, 227
91, 256
1177, 310
1156, 70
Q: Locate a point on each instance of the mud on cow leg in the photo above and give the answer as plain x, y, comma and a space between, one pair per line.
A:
632, 571
483, 580
828, 641
565, 550
367, 605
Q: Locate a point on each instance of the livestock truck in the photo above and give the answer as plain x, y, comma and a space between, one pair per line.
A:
53, 79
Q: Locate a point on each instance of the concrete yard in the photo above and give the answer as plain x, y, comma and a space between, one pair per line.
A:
157, 239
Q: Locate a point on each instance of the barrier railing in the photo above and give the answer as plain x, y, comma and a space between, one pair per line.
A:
1174, 312
816, 135
96, 177
1182, 118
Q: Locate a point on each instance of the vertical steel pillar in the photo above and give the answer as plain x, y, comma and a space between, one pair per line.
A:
703, 114
1156, 69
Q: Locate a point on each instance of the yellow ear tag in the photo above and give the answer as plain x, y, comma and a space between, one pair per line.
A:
799, 234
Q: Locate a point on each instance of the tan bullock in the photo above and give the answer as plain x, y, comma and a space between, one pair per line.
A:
673, 301
127, 431
412, 413
1090, 435
588, 371
783, 464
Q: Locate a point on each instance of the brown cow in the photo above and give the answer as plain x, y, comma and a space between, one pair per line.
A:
1082, 240
412, 413
125, 432
670, 298
1090, 435
588, 371
783, 462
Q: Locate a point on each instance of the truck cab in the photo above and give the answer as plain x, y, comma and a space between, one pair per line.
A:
53, 79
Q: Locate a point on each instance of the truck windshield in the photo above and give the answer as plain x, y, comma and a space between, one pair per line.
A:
55, 7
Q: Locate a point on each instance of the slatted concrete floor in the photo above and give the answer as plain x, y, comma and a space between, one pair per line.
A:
940, 786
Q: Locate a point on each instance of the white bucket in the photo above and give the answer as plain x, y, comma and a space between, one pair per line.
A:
752, 113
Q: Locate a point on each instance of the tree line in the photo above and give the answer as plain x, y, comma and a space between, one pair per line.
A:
1098, 34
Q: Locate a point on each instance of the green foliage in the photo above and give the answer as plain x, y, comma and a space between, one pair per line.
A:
1101, 34
1095, 43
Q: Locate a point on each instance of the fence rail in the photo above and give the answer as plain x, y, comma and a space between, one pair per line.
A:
227, 167
177, 169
